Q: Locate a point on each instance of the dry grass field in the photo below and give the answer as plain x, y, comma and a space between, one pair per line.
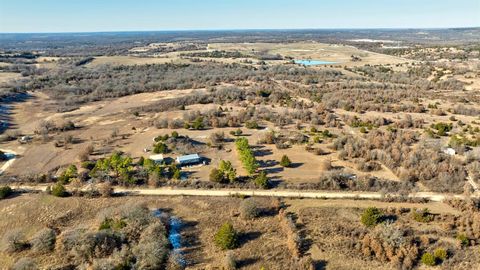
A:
330, 229
261, 240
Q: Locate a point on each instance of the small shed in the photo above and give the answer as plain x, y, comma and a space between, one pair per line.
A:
157, 158
188, 159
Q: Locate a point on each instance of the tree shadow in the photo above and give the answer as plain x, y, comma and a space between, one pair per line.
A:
247, 237
262, 152
274, 183
6, 106
295, 165
268, 163
320, 265
273, 170
246, 262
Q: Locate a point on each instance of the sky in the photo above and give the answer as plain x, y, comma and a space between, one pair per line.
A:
33, 16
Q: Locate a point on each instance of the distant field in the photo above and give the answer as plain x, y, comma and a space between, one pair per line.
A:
312, 50
128, 60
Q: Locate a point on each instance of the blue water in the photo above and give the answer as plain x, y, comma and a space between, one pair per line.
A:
9, 155
313, 62
174, 236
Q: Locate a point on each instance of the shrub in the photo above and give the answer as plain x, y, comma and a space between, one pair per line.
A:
251, 124
261, 180
44, 241
422, 215
58, 190
428, 259
112, 224
68, 174
14, 241
106, 189
236, 132
5, 192
285, 161
229, 262
249, 209
371, 216
463, 239
24, 264
440, 254
226, 237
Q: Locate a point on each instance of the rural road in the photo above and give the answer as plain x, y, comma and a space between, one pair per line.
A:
261, 193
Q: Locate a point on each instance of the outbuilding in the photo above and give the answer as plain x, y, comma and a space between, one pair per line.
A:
188, 159
157, 158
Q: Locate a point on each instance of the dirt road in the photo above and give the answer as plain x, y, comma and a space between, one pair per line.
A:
437, 197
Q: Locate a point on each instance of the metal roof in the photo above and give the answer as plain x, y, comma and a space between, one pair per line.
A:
188, 157
156, 157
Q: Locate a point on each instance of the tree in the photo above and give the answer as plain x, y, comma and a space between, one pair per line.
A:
261, 180
121, 165
141, 161
229, 173
216, 175
428, 259
246, 155
285, 161
371, 216
160, 148
226, 237
5, 192
59, 190
198, 123
177, 174
224, 174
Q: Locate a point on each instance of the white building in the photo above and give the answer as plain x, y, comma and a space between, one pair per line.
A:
157, 158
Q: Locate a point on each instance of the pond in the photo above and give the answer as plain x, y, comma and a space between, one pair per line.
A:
314, 62
9, 155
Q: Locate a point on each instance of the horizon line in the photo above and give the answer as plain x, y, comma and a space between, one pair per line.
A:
245, 29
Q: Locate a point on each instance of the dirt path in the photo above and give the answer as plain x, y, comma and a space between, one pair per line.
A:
436, 197
474, 185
